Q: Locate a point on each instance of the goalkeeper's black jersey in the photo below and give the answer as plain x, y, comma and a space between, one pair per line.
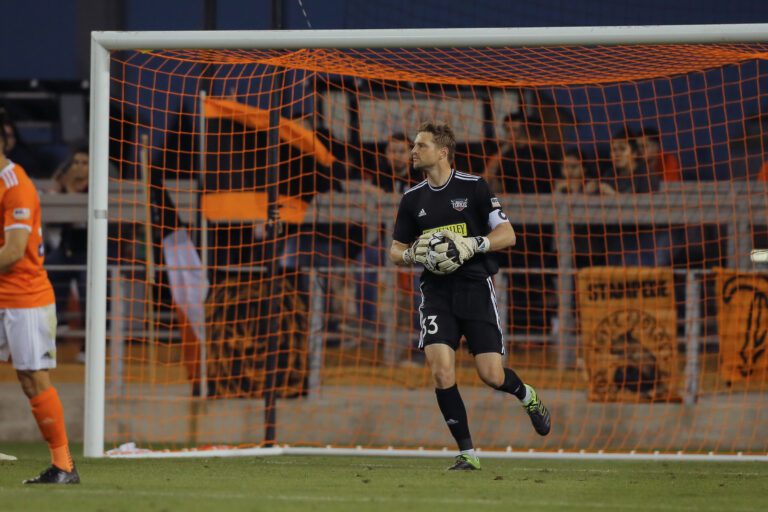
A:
463, 204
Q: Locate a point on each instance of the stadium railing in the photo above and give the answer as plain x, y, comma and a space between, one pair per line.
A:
732, 204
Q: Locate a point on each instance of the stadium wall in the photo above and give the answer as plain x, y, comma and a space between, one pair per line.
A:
59, 49
706, 423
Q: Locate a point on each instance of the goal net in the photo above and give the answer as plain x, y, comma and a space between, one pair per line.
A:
243, 292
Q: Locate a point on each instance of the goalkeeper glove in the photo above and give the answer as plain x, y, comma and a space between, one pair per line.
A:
468, 246
417, 253
443, 256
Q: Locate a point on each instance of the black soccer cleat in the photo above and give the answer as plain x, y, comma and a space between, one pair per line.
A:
54, 475
538, 413
465, 463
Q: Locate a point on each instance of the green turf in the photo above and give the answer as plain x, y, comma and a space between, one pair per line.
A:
376, 483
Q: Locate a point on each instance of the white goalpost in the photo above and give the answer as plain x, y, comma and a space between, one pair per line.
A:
104, 43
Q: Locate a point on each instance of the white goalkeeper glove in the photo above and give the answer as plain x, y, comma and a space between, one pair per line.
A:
417, 252
468, 246
443, 256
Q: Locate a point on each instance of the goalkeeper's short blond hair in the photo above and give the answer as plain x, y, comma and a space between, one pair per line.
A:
443, 136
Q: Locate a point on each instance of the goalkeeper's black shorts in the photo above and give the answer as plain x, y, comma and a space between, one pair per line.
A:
453, 306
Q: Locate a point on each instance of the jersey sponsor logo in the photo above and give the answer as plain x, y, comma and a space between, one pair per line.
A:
21, 213
495, 203
460, 228
422, 213
459, 204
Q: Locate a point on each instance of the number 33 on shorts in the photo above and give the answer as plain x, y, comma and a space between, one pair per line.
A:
429, 325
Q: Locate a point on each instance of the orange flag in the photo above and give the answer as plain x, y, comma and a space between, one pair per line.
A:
290, 131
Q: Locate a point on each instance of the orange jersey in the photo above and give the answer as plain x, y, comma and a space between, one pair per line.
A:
670, 167
763, 174
26, 284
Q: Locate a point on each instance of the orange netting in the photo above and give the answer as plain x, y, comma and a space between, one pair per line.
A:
505, 67
633, 176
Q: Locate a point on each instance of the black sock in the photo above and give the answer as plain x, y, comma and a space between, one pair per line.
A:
452, 406
512, 384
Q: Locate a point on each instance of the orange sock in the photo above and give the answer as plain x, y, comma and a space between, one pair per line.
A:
46, 407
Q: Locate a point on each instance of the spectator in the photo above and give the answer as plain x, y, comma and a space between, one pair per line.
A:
521, 165
574, 178
656, 160
18, 151
67, 243
394, 174
588, 240
324, 245
686, 241
641, 245
627, 172
72, 176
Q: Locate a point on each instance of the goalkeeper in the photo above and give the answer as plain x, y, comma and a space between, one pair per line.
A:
448, 223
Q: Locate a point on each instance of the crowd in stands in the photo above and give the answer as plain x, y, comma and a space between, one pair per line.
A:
526, 164
519, 161
67, 244
523, 162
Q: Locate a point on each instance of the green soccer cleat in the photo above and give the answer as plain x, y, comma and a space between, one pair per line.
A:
54, 475
538, 413
465, 463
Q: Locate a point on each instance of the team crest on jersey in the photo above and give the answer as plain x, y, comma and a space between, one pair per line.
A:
459, 204
21, 213
495, 203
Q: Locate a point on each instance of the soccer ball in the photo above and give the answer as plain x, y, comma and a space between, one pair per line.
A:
442, 255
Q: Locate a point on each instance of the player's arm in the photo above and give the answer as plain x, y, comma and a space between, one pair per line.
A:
13, 249
502, 236
396, 251
404, 255
406, 228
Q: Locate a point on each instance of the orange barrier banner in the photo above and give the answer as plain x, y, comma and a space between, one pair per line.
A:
628, 328
742, 324
238, 334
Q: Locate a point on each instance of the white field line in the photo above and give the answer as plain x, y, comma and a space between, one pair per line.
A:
671, 468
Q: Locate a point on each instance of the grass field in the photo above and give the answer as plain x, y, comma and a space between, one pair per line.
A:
393, 484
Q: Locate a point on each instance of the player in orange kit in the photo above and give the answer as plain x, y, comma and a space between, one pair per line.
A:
28, 313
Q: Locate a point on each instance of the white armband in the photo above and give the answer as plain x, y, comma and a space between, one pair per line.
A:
495, 218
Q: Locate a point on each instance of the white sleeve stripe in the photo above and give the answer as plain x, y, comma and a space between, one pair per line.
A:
9, 177
415, 187
18, 226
